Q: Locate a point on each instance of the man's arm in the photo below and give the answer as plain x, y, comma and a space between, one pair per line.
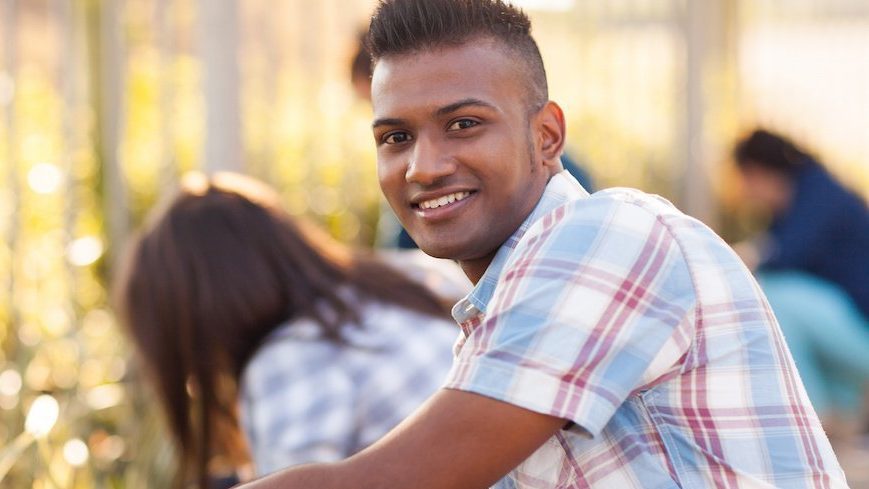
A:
455, 440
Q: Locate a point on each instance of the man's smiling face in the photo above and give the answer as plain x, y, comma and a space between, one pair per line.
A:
456, 148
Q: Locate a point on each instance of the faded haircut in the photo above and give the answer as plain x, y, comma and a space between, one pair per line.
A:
401, 27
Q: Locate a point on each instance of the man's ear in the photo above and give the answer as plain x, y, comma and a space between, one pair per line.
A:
550, 128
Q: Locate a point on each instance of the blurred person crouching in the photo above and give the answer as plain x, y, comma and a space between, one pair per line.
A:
267, 341
813, 265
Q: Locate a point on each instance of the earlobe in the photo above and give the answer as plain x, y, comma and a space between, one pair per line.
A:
551, 132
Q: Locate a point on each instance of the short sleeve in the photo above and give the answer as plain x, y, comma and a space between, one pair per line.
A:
297, 408
595, 302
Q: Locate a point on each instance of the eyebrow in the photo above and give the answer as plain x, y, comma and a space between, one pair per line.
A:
468, 102
442, 111
386, 122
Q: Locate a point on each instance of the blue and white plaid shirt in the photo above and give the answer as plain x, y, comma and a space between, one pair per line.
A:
304, 399
640, 325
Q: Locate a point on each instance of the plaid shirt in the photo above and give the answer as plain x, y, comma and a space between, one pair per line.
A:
305, 399
641, 327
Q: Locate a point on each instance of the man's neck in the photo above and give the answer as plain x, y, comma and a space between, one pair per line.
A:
474, 269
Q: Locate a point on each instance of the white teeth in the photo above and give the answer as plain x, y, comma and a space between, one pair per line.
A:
441, 201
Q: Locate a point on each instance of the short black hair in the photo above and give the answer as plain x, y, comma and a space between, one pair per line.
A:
772, 151
406, 26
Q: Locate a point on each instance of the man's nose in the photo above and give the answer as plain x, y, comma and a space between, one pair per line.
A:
428, 162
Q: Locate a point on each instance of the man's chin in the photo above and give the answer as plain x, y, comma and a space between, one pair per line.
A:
438, 249
435, 251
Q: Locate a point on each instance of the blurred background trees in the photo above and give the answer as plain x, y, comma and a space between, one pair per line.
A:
103, 104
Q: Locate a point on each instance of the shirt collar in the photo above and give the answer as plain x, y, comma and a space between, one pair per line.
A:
560, 189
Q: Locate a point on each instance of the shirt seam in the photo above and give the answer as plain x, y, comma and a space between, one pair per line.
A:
698, 309
676, 460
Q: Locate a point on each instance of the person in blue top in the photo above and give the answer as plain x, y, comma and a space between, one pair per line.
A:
818, 226
813, 263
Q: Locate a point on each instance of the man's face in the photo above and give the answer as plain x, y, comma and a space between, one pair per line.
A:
456, 154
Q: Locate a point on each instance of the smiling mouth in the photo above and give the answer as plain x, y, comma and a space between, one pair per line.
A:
442, 201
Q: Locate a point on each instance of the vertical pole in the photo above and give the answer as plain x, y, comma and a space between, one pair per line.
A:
271, 93
695, 185
219, 47
10, 55
112, 67
67, 83
165, 45
708, 27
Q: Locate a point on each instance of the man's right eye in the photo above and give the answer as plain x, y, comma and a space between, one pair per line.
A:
396, 137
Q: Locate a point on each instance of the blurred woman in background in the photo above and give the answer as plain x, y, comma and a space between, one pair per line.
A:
817, 225
813, 264
268, 341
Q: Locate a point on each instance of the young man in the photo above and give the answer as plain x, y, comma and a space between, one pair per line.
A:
610, 340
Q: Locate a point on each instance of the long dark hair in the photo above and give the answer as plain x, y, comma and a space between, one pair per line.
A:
210, 277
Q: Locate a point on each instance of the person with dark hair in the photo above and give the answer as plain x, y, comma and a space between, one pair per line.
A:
818, 226
267, 340
610, 340
390, 234
813, 265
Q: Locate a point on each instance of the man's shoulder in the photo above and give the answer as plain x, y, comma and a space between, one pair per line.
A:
612, 208
613, 226
620, 223
624, 196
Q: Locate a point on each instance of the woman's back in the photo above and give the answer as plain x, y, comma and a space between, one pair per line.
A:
306, 399
223, 278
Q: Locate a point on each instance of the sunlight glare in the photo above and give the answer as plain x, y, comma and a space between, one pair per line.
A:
105, 396
10, 383
44, 178
42, 416
85, 251
75, 452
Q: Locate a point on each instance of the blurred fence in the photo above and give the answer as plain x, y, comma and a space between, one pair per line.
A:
105, 103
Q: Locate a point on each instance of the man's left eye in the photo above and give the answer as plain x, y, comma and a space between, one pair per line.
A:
462, 124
